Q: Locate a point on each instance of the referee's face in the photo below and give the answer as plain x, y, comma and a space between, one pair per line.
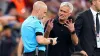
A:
42, 13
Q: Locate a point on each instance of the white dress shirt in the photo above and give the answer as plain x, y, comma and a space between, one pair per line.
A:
94, 17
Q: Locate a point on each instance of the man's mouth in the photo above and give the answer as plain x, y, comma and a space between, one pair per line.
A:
61, 16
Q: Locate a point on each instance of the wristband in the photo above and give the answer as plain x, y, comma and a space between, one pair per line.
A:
73, 32
51, 41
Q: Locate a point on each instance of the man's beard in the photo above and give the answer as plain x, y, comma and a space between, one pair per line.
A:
64, 19
61, 20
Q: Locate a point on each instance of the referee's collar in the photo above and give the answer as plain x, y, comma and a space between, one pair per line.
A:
35, 17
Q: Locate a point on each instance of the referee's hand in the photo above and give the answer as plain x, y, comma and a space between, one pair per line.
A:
54, 41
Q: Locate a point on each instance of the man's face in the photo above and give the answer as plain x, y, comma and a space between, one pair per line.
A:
64, 12
13, 12
97, 5
42, 13
7, 32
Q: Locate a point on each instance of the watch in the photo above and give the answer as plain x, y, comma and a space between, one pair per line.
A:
51, 41
73, 32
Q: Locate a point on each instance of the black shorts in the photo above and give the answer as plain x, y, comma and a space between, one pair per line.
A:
40, 53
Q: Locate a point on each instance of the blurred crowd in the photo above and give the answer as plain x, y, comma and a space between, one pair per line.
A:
14, 12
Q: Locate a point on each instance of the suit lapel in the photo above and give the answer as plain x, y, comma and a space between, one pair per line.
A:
90, 17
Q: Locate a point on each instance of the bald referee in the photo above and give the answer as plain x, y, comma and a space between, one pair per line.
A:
32, 32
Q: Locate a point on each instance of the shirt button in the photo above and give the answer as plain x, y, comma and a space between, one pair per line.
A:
61, 30
94, 46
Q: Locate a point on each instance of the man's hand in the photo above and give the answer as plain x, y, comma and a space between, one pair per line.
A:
48, 28
54, 40
84, 53
70, 25
49, 25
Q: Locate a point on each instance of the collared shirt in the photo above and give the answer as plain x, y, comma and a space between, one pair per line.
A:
94, 17
28, 30
64, 42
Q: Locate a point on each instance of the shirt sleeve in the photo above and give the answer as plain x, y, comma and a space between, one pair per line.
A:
38, 27
78, 27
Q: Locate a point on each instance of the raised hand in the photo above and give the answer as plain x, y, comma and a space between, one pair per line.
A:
50, 25
70, 25
84, 53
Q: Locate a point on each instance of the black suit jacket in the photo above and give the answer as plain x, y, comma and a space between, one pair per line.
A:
84, 26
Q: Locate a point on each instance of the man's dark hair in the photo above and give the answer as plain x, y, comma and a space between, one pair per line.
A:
6, 27
91, 1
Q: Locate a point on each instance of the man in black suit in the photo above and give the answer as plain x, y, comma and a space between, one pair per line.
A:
87, 28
